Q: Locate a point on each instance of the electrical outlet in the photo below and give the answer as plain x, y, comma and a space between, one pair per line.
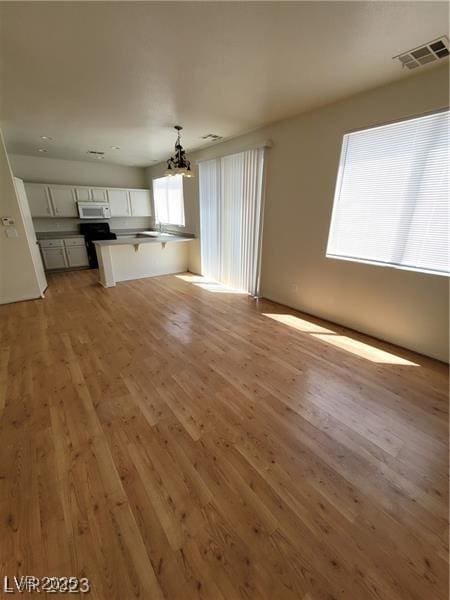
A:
11, 232
294, 287
7, 221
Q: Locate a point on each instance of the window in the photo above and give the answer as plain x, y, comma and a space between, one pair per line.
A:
391, 199
168, 198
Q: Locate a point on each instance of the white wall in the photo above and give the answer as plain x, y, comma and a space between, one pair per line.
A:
56, 170
18, 279
404, 307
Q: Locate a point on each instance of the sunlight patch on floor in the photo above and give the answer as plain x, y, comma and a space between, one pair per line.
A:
323, 334
297, 323
364, 350
343, 342
218, 288
210, 285
191, 278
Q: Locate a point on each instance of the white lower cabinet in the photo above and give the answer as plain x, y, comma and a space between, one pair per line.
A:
64, 254
54, 258
76, 253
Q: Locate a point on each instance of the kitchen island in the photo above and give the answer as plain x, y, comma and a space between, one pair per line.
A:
146, 254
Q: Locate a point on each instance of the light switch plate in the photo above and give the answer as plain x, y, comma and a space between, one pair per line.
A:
7, 221
11, 232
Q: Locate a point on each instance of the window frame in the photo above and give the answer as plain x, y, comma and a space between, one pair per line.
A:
163, 223
337, 190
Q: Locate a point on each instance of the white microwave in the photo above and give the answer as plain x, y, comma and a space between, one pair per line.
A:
94, 210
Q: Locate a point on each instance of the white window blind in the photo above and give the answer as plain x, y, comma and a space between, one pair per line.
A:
231, 197
391, 200
168, 199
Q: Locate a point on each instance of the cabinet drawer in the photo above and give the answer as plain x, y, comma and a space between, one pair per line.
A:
51, 243
73, 242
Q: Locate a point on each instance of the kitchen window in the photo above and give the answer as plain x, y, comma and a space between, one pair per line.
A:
391, 199
168, 199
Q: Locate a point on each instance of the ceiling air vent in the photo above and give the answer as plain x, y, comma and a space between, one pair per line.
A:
211, 136
96, 154
422, 55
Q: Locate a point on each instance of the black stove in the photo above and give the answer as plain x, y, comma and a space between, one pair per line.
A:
93, 232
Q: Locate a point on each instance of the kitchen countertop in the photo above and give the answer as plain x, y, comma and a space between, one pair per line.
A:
133, 241
130, 231
57, 235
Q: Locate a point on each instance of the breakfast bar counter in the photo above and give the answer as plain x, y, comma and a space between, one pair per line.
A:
141, 255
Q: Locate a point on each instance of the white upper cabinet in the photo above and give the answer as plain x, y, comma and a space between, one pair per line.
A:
119, 203
83, 194
63, 200
140, 203
87, 194
39, 200
99, 195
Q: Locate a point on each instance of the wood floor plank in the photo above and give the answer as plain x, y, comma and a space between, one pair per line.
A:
172, 443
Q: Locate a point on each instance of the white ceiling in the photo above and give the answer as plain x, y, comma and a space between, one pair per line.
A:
96, 75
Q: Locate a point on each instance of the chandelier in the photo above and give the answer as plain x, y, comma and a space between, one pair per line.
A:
179, 164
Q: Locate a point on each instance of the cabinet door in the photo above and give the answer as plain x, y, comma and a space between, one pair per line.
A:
140, 203
39, 200
119, 203
54, 258
77, 256
83, 194
63, 200
99, 195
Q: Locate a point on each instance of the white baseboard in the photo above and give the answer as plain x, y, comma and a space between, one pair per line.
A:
18, 299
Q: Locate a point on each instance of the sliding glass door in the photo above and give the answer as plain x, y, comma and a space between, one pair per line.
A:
231, 198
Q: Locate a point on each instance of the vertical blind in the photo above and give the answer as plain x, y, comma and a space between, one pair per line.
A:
391, 200
168, 199
231, 220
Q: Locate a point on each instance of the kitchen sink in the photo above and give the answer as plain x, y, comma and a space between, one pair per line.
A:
153, 234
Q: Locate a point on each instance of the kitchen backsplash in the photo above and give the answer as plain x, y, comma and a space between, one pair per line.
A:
72, 224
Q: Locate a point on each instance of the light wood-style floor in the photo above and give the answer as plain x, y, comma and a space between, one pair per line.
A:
168, 441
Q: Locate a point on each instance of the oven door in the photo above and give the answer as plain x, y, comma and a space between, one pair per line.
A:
94, 210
